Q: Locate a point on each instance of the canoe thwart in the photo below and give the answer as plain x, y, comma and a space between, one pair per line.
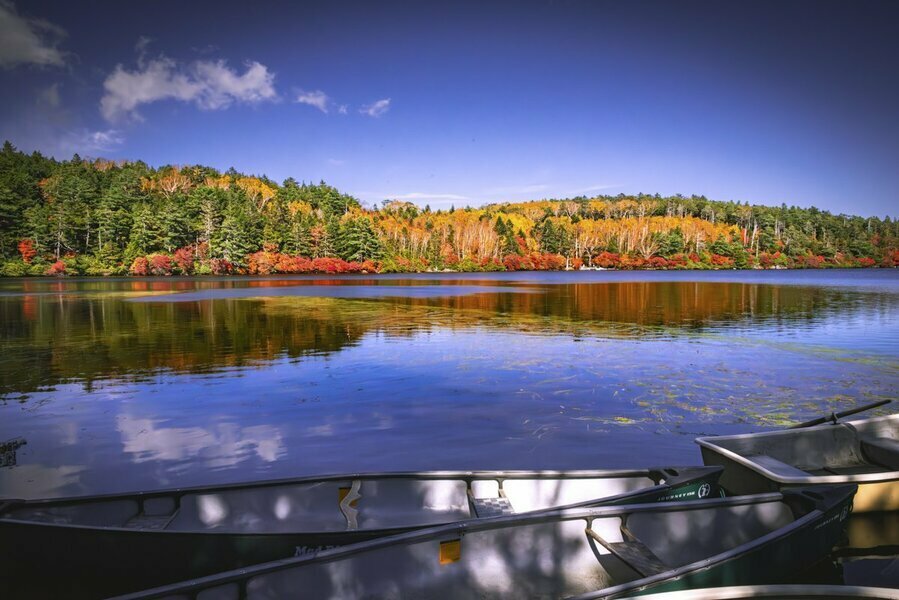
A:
777, 467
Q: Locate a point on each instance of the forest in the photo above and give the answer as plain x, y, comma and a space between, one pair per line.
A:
100, 217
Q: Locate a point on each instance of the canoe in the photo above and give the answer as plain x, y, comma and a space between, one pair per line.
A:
605, 552
863, 452
105, 543
781, 592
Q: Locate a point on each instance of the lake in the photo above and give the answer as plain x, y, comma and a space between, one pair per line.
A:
128, 384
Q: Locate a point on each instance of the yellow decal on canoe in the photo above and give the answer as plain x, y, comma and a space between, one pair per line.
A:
450, 551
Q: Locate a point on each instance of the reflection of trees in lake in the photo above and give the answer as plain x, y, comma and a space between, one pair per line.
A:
50, 338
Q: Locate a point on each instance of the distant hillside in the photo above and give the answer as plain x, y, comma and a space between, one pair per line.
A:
112, 218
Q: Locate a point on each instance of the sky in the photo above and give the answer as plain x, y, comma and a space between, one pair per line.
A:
464, 103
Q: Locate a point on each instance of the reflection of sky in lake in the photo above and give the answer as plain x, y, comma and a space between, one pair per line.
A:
114, 395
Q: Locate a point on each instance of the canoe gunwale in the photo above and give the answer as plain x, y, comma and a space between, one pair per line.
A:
684, 476
461, 528
655, 473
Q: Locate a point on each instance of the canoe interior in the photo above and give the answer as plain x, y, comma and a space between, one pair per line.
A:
315, 506
864, 451
554, 558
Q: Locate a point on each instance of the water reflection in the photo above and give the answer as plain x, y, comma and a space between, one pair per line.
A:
63, 332
217, 446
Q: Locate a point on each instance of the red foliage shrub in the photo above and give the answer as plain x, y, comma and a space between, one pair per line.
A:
657, 262
677, 260
140, 266
326, 265
810, 262
160, 264
866, 261
535, 261
577, 263
552, 262
293, 264
448, 256
57, 268
399, 264
607, 260
629, 262
373, 267
220, 266
777, 259
26, 249
184, 260
512, 262
722, 261
262, 263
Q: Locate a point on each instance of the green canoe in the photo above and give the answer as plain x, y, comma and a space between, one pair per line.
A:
117, 543
605, 552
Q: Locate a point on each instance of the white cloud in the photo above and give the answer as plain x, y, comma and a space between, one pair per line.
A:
316, 98
104, 140
336, 162
28, 41
209, 84
342, 109
87, 141
376, 109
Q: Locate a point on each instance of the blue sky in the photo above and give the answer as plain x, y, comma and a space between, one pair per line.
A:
465, 103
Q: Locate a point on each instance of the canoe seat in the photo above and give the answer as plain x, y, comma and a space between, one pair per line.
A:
776, 466
491, 507
634, 553
883, 451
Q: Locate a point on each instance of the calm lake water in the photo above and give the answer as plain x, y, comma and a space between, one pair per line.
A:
128, 384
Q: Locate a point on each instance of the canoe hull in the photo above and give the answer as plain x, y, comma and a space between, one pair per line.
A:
731, 541
102, 561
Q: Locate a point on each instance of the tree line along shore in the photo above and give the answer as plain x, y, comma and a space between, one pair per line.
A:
100, 217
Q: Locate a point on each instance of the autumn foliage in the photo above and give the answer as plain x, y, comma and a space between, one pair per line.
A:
26, 249
57, 268
99, 217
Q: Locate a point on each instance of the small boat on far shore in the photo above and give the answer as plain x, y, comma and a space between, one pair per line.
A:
863, 452
605, 552
116, 543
